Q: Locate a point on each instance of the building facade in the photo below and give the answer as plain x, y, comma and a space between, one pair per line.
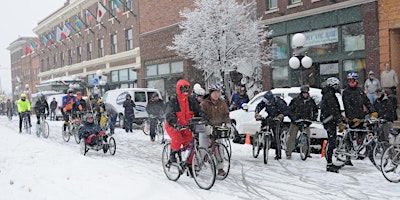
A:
341, 36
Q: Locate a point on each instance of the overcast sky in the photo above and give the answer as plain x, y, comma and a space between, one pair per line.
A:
18, 19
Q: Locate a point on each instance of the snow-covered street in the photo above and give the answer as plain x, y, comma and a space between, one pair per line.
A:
38, 168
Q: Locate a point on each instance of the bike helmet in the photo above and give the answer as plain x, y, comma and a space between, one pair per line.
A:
128, 95
333, 82
269, 96
70, 91
214, 87
88, 116
304, 89
23, 95
353, 75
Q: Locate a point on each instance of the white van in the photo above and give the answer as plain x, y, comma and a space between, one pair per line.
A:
139, 95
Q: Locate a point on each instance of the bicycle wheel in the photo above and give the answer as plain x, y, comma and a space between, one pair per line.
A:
65, 135
256, 144
45, 129
203, 168
304, 146
377, 153
26, 126
75, 131
227, 143
222, 160
84, 148
267, 145
284, 137
390, 164
146, 127
171, 170
160, 134
112, 146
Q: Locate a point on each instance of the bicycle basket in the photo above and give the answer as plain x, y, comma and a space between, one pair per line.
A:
221, 132
394, 137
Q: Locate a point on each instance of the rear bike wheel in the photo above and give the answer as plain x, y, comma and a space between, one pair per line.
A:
303, 146
75, 131
390, 164
171, 170
222, 160
112, 146
227, 143
26, 126
84, 148
45, 129
146, 127
65, 134
203, 168
256, 144
267, 145
377, 153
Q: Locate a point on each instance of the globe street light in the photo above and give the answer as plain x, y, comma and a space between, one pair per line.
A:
298, 60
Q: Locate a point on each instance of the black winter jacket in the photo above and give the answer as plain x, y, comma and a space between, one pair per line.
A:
41, 106
303, 108
88, 129
53, 105
156, 108
278, 106
129, 106
385, 108
354, 100
330, 107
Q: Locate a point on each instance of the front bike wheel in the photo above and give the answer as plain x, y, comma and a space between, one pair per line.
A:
83, 148
112, 146
203, 168
171, 170
390, 164
146, 127
377, 153
27, 127
304, 146
160, 134
227, 143
75, 132
65, 135
267, 145
222, 160
256, 144
45, 129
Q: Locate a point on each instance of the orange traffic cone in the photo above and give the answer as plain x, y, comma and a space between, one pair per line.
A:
323, 149
247, 141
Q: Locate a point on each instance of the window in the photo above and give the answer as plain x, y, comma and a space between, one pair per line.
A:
114, 44
89, 51
113, 9
42, 65
279, 47
128, 39
353, 38
114, 76
101, 47
357, 65
163, 68
177, 67
132, 75
294, 2
123, 75
140, 96
55, 61
128, 5
62, 59
78, 54
321, 42
151, 70
69, 57
272, 4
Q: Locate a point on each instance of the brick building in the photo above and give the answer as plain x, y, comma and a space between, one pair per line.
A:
342, 36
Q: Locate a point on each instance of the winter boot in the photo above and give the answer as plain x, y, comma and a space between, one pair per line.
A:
172, 156
332, 168
348, 162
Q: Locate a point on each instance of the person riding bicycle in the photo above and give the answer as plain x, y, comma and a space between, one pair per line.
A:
331, 117
112, 113
155, 109
181, 108
385, 110
82, 102
41, 106
276, 108
24, 106
302, 107
90, 131
66, 108
217, 112
354, 101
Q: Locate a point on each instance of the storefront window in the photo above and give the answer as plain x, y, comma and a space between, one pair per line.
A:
280, 76
279, 47
163, 68
151, 70
114, 76
158, 83
123, 75
177, 67
132, 75
353, 37
357, 65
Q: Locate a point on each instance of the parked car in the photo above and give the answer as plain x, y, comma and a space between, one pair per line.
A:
243, 120
139, 95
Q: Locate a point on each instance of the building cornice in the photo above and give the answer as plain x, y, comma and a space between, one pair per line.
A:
159, 30
62, 14
315, 11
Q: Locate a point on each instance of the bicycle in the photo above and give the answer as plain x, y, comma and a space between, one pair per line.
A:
72, 129
302, 138
222, 157
159, 129
202, 167
391, 158
263, 138
378, 147
43, 129
25, 122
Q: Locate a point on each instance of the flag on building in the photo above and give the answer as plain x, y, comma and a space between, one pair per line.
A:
32, 45
52, 37
89, 17
118, 6
101, 11
78, 24
38, 44
27, 49
66, 30
58, 34
45, 41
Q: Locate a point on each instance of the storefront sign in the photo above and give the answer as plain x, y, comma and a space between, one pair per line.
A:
322, 36
331, 68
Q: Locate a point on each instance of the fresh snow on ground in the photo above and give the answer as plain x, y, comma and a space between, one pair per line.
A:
38, 168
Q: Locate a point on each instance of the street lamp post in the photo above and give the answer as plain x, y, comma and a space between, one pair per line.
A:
297, 60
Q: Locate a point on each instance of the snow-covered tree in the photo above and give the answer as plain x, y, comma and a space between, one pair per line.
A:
222, 36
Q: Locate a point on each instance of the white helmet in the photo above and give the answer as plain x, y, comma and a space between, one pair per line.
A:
198, 90
333, 82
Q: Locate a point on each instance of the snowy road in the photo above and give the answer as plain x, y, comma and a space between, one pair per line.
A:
37, 168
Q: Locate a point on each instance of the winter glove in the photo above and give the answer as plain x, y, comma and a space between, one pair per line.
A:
257, 116
374, 114
356, 121
280, 117
345, 119
341, 127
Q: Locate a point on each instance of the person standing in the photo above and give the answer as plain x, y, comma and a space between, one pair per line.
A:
112, 116
129, 112
155, 109
53, 107
302, 107
389, 78
331, 118
371, 85
384, 108
9, 108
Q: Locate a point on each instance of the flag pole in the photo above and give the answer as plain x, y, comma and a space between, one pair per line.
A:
110, 13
